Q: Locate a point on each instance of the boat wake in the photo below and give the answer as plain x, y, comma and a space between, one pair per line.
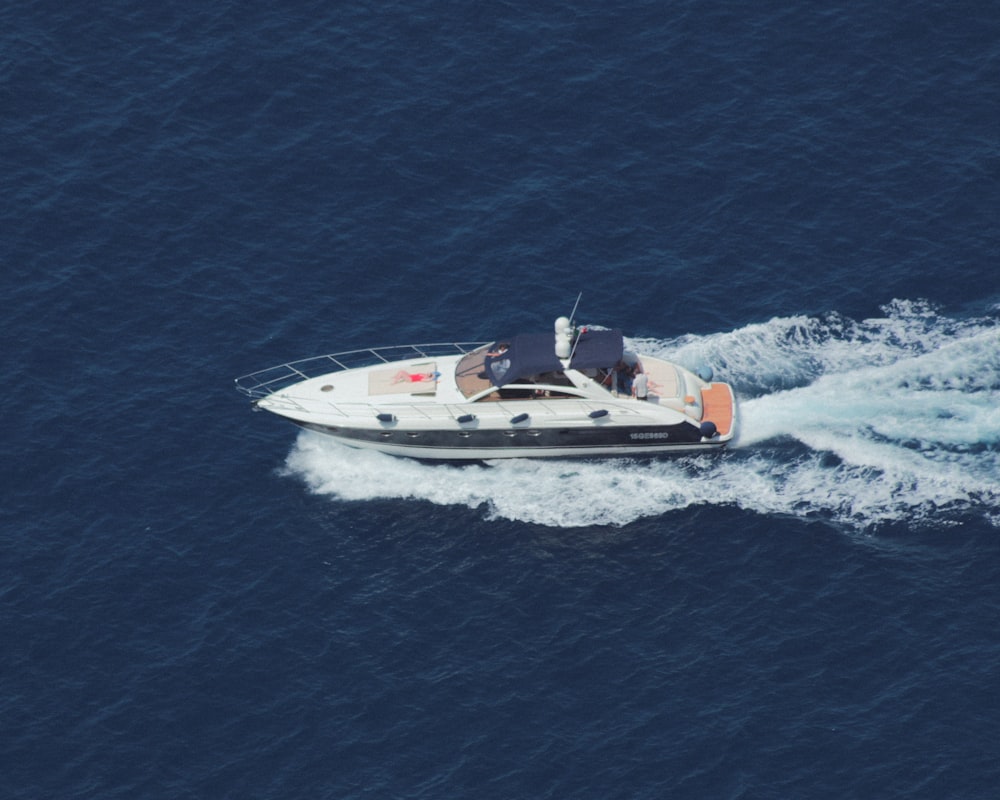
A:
895, 419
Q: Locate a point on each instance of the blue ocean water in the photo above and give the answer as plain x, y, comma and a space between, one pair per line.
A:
202, 602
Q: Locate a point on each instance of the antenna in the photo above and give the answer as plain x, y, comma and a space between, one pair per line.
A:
576, 341
573, 312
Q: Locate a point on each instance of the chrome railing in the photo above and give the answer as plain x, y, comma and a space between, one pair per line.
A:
267, 381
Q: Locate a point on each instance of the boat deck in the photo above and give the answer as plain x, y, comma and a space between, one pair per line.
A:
266, 382
717, 399
663, 379
470, 374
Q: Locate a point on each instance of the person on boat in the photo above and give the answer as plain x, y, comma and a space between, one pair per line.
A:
500, 365
414, 377
640, 384
621, 382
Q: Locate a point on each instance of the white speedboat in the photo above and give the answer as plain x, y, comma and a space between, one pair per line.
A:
577, 393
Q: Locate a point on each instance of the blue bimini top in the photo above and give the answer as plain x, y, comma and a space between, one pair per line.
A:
527, 354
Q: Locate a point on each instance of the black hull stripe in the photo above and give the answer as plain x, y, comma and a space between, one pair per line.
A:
527, 439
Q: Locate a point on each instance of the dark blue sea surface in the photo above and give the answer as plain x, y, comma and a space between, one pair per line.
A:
201, 602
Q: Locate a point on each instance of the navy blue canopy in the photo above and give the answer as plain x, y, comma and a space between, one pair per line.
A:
528, 354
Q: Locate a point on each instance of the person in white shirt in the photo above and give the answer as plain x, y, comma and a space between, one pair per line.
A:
640, 384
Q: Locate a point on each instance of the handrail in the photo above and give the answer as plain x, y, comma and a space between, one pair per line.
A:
272, 379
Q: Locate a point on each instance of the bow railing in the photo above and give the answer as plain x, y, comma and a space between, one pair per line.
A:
272, 379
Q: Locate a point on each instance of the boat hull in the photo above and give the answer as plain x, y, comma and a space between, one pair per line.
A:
477, 445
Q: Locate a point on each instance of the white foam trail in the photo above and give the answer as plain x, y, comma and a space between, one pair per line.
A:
894, 419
